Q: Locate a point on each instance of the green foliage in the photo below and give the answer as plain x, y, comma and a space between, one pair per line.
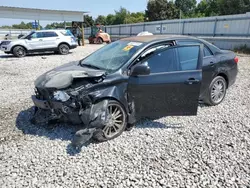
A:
55, 25
243, 49
158, 10
101, 20
186, 6
121, 16
161, 10
88, 21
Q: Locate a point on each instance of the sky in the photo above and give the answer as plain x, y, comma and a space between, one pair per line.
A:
94, 7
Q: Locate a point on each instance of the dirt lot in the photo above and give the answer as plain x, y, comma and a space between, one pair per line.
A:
209, 150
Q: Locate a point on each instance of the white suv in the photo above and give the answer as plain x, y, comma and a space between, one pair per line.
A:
60, 41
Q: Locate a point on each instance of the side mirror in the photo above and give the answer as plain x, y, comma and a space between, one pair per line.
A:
140, 70
28, 37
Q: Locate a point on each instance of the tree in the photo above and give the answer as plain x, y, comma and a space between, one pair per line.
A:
101, 20
110, 19
88, 21
161, 10
186, 6
227, 7
121, 16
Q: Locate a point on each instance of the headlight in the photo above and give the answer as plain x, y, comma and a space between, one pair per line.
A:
61, 96
5, 42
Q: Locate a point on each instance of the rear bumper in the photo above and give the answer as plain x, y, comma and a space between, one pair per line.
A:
46, 105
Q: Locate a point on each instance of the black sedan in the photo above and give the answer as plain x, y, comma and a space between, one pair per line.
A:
143, 76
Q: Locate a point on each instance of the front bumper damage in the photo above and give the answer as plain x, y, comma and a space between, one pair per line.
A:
79, 111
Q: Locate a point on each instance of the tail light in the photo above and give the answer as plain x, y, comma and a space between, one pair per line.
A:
236, 59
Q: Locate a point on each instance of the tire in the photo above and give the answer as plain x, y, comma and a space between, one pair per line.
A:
121, 120
216, 92
63, 49
99, 40
19, 51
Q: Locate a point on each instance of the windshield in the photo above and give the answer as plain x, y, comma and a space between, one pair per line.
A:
24, 37
112, 56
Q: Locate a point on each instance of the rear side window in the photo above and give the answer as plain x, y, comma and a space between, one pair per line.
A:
67, 33
164, 61
49, 34
188, 57
206, 51
37, 35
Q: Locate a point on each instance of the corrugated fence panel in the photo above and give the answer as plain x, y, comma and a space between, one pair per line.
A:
172, 28
232, 27
153, 28
204, 28
137, 29
114, 30
125, 30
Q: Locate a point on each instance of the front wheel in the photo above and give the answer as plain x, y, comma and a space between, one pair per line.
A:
63, 49
216, 92
19, 51
116, 122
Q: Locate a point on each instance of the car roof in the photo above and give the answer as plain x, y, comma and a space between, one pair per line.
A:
151, 38
47, 30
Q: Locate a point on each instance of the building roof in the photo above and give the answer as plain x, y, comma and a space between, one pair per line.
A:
40, 14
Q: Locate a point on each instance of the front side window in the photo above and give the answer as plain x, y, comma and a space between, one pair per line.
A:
112, 56
163, 61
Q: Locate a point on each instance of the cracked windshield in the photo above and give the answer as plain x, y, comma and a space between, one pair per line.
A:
112, 56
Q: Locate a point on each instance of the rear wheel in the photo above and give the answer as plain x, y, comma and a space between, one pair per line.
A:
116, 122
99, 40
63, 49
216, 92
19, 51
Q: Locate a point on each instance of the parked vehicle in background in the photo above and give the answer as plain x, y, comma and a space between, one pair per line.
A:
60, 41
98, 36
142, 76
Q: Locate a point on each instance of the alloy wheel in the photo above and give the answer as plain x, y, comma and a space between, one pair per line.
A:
218, 91
116, 121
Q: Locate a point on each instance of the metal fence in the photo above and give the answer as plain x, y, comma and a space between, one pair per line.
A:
13, 33
227, 26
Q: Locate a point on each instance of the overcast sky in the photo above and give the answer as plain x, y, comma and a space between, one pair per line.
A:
95, 7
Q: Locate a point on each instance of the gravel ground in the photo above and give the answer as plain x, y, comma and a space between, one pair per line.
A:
209, 150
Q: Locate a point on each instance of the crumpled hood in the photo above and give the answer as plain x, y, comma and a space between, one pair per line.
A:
62, 77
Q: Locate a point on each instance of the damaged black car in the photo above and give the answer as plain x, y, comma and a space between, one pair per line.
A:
143, 76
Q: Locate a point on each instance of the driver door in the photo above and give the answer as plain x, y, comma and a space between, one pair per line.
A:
173, 85
35, 41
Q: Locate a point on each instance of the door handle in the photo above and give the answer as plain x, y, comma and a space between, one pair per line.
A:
40, 39
191, 81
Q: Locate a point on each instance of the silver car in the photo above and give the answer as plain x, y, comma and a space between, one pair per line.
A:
60, 41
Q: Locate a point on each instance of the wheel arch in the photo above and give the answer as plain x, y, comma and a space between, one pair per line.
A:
224, 75
12, 48
63, 43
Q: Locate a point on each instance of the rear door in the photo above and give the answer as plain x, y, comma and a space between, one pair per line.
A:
50, 39
208, 65
173, 86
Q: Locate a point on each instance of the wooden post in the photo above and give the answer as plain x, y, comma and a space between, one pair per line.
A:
82, 35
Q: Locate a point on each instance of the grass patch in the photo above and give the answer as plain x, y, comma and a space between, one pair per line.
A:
242, 49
